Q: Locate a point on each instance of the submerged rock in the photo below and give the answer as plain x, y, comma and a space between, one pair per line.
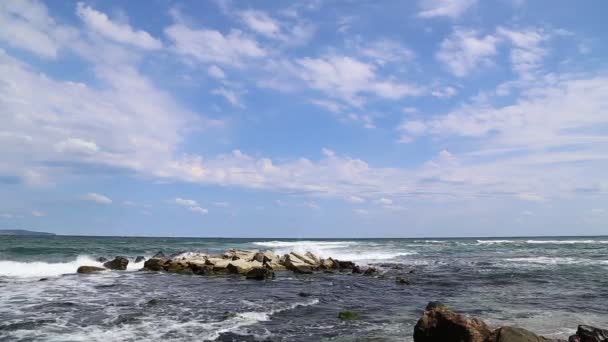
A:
260, 273
348, 315
101, 259
370, 271
402, 281
139, 258
89, 269
441, 324
119, 263
587, 333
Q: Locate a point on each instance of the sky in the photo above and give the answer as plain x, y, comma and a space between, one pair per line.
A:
304, 119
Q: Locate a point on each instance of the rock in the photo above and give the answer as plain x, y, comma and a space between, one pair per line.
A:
293, 263
370, 271
178, 266
304, 294
587, 333
101, 259
154, 264
402, 281
441, 324
260, 273
153, 302
89, 269
238, 254
200, 269
240, 266
348, 315
139, 259
357, 270
515, 334
330, 264
159, 255
119, 263
43, 279
346, 265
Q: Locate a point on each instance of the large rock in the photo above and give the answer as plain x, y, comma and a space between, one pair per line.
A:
293, 263
89, 269
260, 273
119, 263
330, 264
240, 254
155, 264
515, 334
178, 266
438, 323
587, 333
139, 258
241, 266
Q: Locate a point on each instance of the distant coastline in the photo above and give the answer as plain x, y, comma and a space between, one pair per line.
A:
23, 232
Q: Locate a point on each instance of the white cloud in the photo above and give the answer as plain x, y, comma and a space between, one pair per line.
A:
444, 8
230, 95
97, 198
199, 210
192, 205
185, 202
36, 213
118, 32
27, 25
261, 22
355, 199
527, 51
211, 46
75, 145
348, 79
465, 50
444, 92
362, 212
385, 201
6, 216
215, 72
532, 197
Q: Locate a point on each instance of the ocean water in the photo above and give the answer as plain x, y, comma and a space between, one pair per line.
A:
548, 285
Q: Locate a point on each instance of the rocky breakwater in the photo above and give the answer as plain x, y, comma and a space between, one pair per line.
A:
440, 323
254, 264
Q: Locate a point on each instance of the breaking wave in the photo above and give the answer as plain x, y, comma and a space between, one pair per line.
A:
541, 242
41, 269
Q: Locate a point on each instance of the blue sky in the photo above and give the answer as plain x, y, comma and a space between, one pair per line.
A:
304, 119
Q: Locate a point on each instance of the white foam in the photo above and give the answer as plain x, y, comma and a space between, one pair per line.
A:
341, 250
41, 269
547, 242
557, 261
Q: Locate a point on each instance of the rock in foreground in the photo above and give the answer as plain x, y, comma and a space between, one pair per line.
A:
119, 263
586, 333
89, 269
439, 323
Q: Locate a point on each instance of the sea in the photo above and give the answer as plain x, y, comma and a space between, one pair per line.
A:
548, 285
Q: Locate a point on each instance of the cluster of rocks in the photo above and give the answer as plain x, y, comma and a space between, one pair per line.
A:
254, 264
440, 323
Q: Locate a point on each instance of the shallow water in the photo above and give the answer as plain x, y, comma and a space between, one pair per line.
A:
548, 285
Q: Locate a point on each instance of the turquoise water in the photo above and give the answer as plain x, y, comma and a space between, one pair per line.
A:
549, 285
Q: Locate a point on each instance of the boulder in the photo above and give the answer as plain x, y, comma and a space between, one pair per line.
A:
295, 264
200, 268
402, 281
344, 265
515, 334
587, 333
357, 270
330, 264
89, 269
370, 271
178, 266
159, 255
438, 323
139, 259
154, 264
237, 254
119, 263
348, 315
260, 273
241, 266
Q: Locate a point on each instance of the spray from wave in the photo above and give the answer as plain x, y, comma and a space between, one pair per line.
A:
41, 269
342, 250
